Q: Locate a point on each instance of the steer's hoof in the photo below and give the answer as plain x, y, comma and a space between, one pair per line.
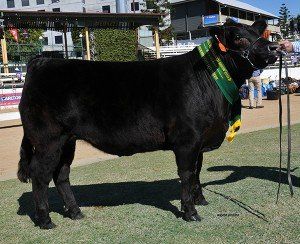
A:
47, 226
188, 218
75, 215
201, 201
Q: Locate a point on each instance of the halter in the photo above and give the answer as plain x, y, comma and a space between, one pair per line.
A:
244, 54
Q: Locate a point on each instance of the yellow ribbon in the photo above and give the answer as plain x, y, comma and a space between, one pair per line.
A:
233, 130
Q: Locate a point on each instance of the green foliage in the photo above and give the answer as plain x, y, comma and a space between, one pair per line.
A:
284, 15
166, 32
115, 45
75, 36
28, 45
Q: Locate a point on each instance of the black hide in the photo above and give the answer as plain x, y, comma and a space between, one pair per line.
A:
124, 108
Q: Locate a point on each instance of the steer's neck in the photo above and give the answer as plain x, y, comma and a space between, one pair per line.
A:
238, 67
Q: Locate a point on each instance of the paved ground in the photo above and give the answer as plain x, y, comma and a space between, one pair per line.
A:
11, 134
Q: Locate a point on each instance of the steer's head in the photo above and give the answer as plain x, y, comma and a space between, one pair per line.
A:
245, 44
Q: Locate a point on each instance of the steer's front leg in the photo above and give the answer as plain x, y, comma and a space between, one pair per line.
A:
186, 163
199, 199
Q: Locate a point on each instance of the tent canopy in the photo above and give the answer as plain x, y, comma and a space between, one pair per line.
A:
69, 20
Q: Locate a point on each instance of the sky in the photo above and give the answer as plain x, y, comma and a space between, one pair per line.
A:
273, 6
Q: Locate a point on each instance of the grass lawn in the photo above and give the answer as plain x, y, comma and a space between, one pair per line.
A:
136, 199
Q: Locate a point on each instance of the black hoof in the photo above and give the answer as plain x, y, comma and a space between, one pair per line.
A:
48, 226
77, 216
195, 217
74, 215
201, 202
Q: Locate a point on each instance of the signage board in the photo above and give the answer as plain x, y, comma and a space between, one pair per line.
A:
211, 19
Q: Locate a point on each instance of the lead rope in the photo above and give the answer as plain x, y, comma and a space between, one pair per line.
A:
289, 130
280, 128
280, 131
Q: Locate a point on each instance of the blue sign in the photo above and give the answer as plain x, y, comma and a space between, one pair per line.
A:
235, 19
210, 19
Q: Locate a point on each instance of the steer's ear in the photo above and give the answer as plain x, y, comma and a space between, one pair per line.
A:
261, 25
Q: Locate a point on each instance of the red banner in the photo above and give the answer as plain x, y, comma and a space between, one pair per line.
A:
10, 99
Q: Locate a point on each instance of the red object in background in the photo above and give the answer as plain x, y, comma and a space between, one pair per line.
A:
10, 99
14, 33
266, 34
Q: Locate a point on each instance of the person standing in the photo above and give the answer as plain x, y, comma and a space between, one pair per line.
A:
291, 47
255, 82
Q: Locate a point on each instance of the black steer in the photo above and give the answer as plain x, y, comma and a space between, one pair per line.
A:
126, 108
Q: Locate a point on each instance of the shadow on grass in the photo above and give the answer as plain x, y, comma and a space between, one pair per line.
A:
258, 172
156, 193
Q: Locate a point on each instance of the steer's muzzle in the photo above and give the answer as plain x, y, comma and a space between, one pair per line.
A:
273, 54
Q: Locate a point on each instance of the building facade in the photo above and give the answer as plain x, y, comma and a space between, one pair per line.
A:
191, 18
53, 40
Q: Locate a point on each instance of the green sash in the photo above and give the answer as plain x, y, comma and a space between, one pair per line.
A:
221, 76
219, 72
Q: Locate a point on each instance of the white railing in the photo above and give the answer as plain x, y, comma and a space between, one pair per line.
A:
174, 50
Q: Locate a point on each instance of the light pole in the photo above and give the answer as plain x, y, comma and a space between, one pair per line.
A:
41, 44
82, 54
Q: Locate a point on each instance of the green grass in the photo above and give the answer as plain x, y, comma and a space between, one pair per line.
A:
136, 199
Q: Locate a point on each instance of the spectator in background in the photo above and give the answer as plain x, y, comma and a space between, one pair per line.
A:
291, 47
255, 82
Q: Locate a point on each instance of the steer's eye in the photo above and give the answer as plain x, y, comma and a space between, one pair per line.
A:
237, 37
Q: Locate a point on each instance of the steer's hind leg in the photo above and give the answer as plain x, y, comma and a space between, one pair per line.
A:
62, 182
199, 199
186, 157
42, 166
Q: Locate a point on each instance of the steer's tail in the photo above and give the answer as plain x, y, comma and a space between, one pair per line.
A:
26, 152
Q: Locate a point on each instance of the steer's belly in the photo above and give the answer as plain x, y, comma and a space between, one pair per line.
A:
125, 140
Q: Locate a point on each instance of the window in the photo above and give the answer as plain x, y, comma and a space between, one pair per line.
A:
234, 12
136, 6
257, 17
58, 40
250, 16
106, 9
56, 9
45, 41
38, 2
55, 1
25, 3
225, 11
242, 14
41, 10
10, 3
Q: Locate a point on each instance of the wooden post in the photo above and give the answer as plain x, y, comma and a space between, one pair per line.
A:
156, 41
66, 42
4, 55
87, 39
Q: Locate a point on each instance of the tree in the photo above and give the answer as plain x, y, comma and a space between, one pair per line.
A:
284, 15
166, 32
28, 45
